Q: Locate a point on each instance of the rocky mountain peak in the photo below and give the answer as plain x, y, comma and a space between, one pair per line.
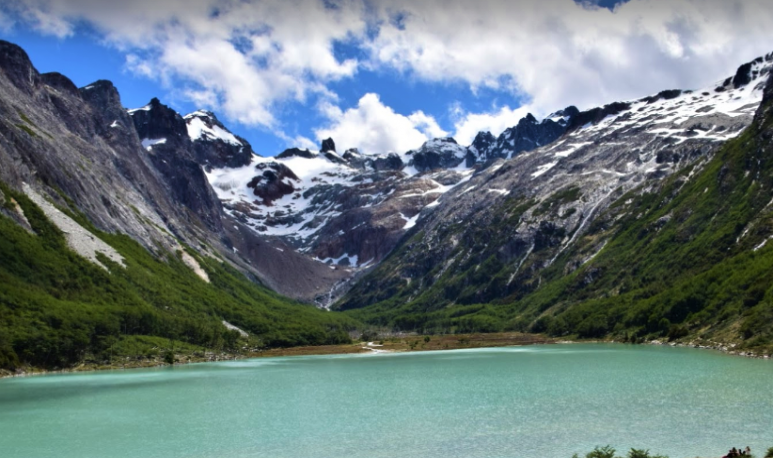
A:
60, 82
296, 152
527, 135
214, 146
156, 122
104, 97
328, 145
483, 140
438, 153
16, 65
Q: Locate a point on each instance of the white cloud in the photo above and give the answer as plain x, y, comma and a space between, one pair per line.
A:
375, 128
556, 52
468, 125
244, 58
247, 58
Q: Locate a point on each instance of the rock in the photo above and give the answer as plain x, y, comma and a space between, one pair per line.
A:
297, 152
60, 82
15, 64
171, 152
440, 153
274, 183
391, 162
328, 145
214, 146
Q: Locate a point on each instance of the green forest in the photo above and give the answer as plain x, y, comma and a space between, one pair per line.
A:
58, 309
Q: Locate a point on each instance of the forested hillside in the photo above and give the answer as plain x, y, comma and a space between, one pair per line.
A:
57, 309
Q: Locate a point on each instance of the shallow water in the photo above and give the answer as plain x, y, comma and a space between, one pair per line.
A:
540, 401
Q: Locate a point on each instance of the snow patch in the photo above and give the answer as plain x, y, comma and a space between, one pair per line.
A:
198, 130
409, 222
543, 168
149, 143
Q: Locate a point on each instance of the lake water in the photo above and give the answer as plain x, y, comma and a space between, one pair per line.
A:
540, 401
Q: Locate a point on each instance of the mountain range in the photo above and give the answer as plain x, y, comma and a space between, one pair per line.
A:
639, 220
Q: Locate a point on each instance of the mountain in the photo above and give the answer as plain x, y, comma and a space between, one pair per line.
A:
349, 211
113, 242
646, 219
125, 231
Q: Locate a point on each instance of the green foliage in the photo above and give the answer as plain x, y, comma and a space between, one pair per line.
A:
601, 452
769, 453
58, 309
27, 129
609, 452
552, 203
637, 453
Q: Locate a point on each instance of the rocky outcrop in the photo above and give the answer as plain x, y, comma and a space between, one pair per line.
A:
527, 135
440, 153
275, 182
214, 146
164, 135
328, 145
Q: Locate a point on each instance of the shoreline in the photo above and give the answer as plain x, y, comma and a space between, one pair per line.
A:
387, 345
403, 344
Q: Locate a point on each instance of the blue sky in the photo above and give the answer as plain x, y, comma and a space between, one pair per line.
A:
386, 75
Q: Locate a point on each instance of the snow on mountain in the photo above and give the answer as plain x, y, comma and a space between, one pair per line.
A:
200, 125
526, 211
351, 209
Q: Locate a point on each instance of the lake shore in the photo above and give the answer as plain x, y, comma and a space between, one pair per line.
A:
392, 344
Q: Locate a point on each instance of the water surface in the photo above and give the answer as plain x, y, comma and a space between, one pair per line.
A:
540, 401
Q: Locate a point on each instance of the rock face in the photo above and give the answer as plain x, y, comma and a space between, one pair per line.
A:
328, 145
135, 172
275, 182
527, 135
214, 146
441, 153
164, 135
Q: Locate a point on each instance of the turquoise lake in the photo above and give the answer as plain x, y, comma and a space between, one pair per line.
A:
538, 401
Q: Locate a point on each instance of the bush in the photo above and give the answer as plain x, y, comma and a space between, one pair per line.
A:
602, 452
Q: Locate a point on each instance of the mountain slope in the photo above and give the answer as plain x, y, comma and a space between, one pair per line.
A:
110, 234
564, 230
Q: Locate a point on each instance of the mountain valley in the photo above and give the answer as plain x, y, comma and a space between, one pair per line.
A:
123, 228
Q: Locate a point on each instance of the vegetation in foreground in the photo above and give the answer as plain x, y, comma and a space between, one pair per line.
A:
609, 452
58, 310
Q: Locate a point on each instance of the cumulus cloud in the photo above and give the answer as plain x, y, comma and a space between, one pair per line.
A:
375, 128
467, 125
558, 52
244, 58
247, 58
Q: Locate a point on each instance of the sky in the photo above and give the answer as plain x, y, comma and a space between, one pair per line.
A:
386, 75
